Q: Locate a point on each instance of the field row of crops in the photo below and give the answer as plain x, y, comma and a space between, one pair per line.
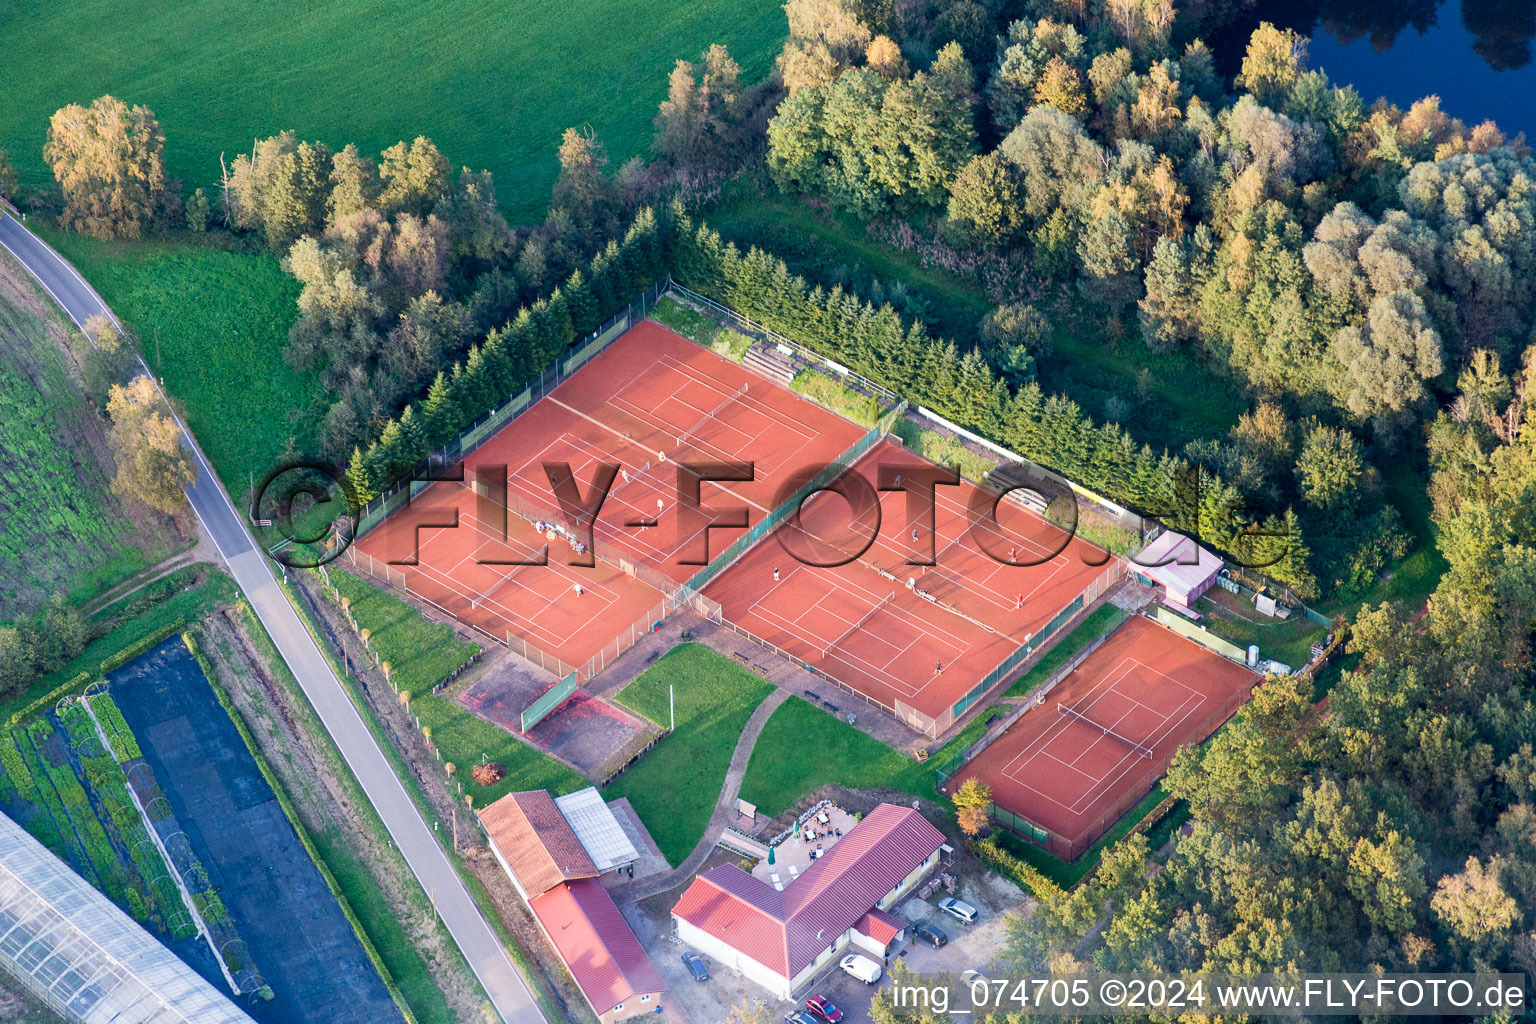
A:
59, 781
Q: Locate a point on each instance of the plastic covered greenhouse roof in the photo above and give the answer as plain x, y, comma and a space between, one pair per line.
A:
89, 956
599, 831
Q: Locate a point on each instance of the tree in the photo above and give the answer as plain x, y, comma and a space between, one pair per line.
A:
1328, 469
965, 22
1061, 86
1474, 907
108, 161
197, 210
986, 201
1057, 159
870, 145
749, 1011
1274, 61
8, 179
1016, 325
104, 356
152, 463
280, 189
700, 123
1385, 364
354, 184
826, 37
582, 190
973, 804
1109, 262
884, 56
413, 177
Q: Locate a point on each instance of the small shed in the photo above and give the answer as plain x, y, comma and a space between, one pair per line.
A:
1181, 569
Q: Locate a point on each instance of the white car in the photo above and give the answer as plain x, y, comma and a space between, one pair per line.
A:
861, 967
958, 910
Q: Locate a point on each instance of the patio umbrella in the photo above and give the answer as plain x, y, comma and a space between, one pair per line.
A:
770, 856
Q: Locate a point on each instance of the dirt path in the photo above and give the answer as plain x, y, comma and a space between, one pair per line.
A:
725, 807
202, 551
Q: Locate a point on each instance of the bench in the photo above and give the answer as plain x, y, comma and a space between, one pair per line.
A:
831, 707
741, 657
652, 657
811, 694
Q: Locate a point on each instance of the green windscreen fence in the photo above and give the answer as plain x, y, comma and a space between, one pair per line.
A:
833, 470
1204, 637
536, 712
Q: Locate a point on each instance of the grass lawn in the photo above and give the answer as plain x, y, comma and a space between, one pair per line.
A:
1233, 617
945, 450
223, 320
493, 85
803, 747
1081, 636
674, 787
420, 653
464, 739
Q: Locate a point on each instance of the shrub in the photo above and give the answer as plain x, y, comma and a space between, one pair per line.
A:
1000, 860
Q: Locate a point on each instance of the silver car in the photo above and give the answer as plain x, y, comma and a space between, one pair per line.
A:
958, 909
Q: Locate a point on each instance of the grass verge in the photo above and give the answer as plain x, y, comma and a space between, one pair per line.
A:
1085, 633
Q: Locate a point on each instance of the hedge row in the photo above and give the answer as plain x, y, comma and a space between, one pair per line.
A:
51, 698
292, 814
138, 647
1027, 875
1048, 429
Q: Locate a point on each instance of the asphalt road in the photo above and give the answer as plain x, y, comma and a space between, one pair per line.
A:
252, 571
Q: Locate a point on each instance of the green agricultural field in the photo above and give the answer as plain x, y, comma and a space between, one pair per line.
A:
222, 320
494, 85
61, 529
674, 788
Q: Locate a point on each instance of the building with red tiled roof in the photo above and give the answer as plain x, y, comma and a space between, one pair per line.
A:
782, 939
603, 955
537, 847
556, 878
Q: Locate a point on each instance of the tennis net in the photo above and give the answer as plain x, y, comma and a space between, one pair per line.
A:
1071, 712
863, 621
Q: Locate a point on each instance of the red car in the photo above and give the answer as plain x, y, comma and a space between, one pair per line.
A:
822, 1007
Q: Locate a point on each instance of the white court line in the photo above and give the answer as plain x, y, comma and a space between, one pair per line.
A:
1015, 770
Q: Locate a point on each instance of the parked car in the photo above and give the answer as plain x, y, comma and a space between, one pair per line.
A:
930, 935
861, 967
798, 1017
958, 909
696, 966
822, 1009
971, 977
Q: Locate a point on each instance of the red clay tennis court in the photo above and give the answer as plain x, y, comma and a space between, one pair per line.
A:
1071, 766
919, 651
651, 399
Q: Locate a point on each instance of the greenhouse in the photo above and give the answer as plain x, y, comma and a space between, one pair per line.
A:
72, 948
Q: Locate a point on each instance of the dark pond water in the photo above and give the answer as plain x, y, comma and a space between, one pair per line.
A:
1476, 55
